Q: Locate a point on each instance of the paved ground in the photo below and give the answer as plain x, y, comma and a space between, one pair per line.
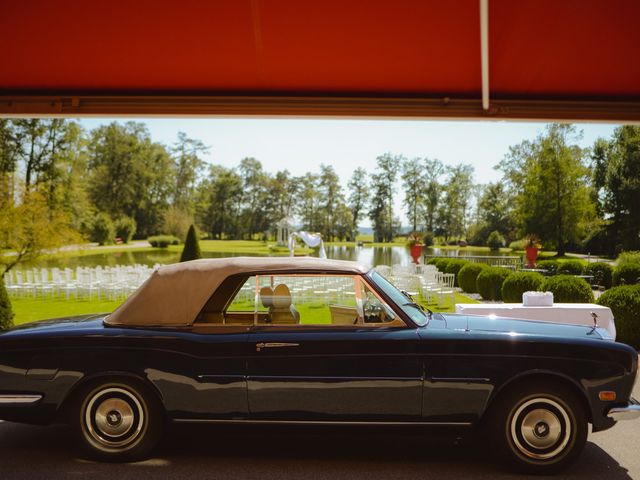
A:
281, 453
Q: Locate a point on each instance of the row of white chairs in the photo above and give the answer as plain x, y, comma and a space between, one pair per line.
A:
437, 288
108, 283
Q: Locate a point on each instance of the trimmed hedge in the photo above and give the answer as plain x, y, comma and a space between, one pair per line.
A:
6, 312
441, 264
489, 282
468, 275
550, 265
519, 282
624, 302
163, 241
571, 267
454, 266
626, 274
602, 273
568, 289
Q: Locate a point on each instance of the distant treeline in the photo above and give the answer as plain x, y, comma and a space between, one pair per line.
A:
586, 199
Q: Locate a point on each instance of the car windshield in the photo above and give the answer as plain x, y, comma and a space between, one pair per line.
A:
413, 310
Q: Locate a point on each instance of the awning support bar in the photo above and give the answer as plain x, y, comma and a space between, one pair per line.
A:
484, 51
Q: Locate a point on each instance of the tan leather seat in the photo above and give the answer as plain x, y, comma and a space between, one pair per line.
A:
266, 297
282, 312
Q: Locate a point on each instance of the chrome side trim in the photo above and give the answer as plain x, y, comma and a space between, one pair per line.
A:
13, 399
630, 412
317, 422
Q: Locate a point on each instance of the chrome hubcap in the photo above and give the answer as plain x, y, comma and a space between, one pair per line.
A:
114, 419
540, 428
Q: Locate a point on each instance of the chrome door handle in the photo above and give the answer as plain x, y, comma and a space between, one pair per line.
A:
260, 346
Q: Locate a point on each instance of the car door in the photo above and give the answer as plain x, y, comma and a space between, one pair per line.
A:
324, 367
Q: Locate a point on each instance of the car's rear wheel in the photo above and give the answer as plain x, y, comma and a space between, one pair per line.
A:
539, 428
118, 420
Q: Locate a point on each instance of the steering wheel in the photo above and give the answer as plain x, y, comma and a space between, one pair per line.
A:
372, 313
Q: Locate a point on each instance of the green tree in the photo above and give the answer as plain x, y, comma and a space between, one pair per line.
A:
186, 154
383, 189
309, 209
413, 180
617, 180
219, 207
330, 196
433, 171
254, 183
130, 175
6, 312
191, 250
549, 180
456, 206
29, 228
358, 198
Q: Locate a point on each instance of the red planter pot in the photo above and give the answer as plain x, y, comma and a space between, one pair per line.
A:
416, 253
532, 256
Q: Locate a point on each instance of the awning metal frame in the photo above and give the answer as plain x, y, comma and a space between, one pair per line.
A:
317, 106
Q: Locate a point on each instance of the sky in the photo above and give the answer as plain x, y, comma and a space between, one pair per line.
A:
301, 145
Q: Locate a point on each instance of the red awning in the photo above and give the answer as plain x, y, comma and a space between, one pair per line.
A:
546, 58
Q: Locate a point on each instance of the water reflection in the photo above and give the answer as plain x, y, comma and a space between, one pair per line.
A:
370, 256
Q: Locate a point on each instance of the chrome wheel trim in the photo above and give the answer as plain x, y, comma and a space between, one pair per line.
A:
114, 419
540, 428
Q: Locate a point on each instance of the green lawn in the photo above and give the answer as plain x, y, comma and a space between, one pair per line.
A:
30, 309
238, 247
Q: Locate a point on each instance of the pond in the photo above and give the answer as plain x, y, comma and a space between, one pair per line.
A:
372, 256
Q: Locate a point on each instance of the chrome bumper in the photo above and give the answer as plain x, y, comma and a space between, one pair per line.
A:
630, 412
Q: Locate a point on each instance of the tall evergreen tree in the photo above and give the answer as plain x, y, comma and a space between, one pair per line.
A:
191, 250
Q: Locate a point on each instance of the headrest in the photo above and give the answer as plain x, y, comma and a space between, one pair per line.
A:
281, 297
266, 297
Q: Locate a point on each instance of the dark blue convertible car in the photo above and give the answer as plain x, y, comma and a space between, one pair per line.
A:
303, 340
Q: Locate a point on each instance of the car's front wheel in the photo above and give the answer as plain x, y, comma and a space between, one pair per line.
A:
539, 428
118, 420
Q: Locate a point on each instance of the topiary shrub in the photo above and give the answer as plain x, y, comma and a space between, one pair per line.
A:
489, 282
568, 289
125, 228
570, 267
6, 312
624, 302
602, 273
550, 266
441, 264
163, 241
454, 266
519, 282
103, 230
495, 240
468, 275
433, 261
626, 274
191, 250
628, 257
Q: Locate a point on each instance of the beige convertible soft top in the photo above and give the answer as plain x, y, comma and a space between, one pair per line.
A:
174, 294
